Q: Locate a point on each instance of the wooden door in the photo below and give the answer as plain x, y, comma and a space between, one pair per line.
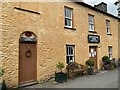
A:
93, 54
27, 63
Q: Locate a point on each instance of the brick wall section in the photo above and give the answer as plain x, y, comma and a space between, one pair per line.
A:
51, 35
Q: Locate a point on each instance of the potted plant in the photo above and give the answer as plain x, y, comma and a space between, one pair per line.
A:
106, 62
90, 64
60, 76
2, 84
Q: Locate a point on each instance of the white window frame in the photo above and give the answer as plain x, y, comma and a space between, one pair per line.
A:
107, 26
68, 17
69, 54
91, 22
110, 52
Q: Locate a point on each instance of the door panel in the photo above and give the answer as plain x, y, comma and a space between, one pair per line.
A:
27, 63
93, 54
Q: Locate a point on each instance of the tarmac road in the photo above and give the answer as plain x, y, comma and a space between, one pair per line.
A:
101, 80
104, 79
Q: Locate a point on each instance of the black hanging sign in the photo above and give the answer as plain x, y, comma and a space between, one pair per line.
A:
93, 38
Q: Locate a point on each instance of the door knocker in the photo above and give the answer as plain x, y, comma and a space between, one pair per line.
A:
28, 54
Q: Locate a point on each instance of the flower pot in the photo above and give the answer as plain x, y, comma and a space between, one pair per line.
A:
90, 71
3, 85
60, 77
0, 86
107, 67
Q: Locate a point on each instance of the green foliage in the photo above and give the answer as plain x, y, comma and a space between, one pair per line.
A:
90, 62
60, 66
1, 71
106, 59
112, 67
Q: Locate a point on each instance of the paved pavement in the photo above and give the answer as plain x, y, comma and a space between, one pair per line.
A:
104, 79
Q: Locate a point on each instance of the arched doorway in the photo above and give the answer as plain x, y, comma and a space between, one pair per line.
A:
27, 58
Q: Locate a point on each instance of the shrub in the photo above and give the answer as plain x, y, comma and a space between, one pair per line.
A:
60, 66
1, 71
90, 62
106, 59
112, 67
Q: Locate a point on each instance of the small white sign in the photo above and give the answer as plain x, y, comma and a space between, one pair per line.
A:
93, 55
95, 52
89, 54
92, 50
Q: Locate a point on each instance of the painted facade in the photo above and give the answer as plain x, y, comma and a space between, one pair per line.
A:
46, 21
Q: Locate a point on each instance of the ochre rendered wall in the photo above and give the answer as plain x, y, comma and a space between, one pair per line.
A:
52, 37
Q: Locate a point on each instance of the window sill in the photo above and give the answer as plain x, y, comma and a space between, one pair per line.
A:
109, 34
69, 28
92, 32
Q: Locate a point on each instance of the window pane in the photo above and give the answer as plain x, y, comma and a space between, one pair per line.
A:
68, 17
71, 51
108, 26
92, 27
91, 23
109, 49
67, 50
71, 58
68, 12
110, 52
68, 22
65, 12
67, 59
106, 23
108, 31
70, 54
91, 19
89, 26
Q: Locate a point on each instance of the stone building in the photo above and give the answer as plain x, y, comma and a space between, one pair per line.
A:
37, 35
118, 4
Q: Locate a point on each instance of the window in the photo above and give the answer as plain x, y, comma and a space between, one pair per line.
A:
91, 22
108, 26
110, 52
68, 17
70, 54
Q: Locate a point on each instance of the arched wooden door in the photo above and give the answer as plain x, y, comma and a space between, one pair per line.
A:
27, 58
